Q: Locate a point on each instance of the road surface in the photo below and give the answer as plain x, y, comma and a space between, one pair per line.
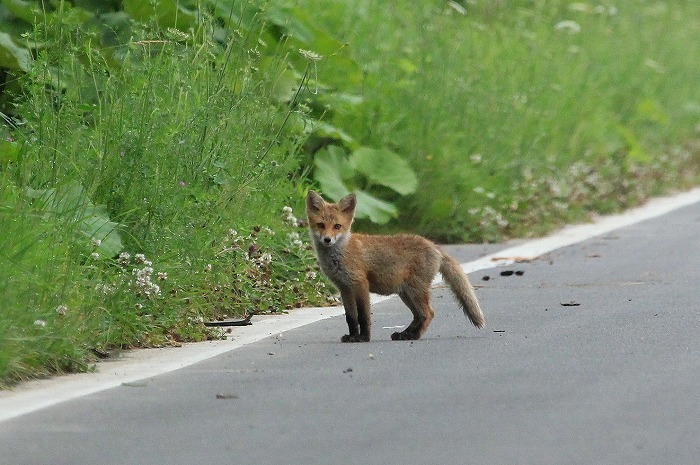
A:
591, 356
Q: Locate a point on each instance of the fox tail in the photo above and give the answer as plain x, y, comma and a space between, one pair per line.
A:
462, 289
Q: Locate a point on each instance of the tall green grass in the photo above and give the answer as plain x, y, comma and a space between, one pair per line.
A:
146, 198
520, 115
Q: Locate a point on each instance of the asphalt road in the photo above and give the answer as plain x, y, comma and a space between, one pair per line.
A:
611, 378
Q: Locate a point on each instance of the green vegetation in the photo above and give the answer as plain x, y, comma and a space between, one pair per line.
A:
523, 114
154, 154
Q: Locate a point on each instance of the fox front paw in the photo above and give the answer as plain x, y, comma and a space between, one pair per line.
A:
355, 338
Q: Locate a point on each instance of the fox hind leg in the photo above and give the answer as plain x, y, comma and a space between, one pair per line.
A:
418, 300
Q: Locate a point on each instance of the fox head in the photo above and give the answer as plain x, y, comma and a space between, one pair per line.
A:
330, 222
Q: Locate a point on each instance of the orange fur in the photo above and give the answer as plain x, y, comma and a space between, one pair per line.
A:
401, 264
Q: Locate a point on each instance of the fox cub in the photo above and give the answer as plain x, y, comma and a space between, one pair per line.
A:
401, 264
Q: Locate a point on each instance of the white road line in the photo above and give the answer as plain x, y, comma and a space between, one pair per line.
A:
574, 234
143, 364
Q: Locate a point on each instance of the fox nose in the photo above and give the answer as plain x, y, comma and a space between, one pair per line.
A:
327, 240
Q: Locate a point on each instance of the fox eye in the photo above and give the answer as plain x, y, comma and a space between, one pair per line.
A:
337, 226
320, 225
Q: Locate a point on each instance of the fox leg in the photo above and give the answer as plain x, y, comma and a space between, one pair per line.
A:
350, 315
418, 300
357, 316
364, 314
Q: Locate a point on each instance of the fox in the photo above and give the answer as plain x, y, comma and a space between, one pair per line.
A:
403, 264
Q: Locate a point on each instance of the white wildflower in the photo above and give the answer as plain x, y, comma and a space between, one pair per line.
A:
144, 285
124, 258
207, 267
310, 275
96, 242
265, 259
475, 158
140, 258
309, 55
491, 216
288, 215
40, 323
104, 288
95, 256
232, 232
61, 309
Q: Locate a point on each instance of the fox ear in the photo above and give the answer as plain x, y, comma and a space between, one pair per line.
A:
348, 203
314, 202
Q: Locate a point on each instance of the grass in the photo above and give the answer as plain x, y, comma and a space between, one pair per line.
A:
137, 202
522, 115
143, 201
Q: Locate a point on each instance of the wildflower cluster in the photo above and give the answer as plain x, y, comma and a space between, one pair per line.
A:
295, 240
142, 273
61, 310
264, 270
550, 195
289, 218
590, 184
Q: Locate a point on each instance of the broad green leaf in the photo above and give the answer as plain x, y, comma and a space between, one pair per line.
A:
285, 87
331, 170
336, 68
328, 131
384, 167
27, 11
11, 24
97, 227
340, 71
285, 18
71, 205
13, 56
376, 210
